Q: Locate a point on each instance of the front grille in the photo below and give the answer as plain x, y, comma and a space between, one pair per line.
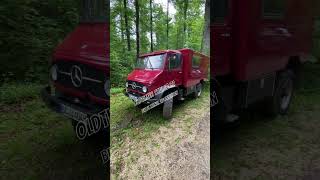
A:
133, 85
92, 79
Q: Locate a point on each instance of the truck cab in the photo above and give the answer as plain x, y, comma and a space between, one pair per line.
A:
186, 68
79, 71
257, 48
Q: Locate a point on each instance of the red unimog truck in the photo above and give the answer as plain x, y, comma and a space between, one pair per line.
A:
257, 48
79, 72
187, 69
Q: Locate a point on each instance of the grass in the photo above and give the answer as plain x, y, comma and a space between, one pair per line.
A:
127, 121
37, 143
283, 148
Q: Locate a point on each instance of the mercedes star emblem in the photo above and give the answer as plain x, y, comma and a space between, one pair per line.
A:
133, 85
76, 76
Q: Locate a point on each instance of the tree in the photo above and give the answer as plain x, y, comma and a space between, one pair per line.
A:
137, 27
155, 28
122, 28
126, 24
185, 21
168, 24
205, 44
151, 27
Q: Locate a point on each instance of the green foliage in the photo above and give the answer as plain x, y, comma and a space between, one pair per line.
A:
123, 60
30, 30
18, 92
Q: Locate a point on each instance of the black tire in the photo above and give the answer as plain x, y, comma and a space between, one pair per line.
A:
167, 109
198, 91
283, 93
217, 110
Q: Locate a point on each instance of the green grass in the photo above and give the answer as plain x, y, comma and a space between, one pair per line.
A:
128, 122
126, 117
37, 143
18, 92
282, 148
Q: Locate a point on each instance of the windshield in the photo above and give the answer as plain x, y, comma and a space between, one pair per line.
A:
94, 11
151, 62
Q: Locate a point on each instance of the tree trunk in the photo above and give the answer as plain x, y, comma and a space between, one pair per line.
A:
151, 28
137, 27
185, 22
168, 24
205, 44
127, 25
122, 30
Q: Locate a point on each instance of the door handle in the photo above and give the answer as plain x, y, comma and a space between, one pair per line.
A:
180, 72
225, 35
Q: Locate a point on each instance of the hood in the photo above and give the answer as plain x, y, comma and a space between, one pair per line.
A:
88, 41
144, 76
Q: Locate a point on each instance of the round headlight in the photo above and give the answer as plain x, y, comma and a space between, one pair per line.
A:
107, 87
127, 84
54, 72
144, 89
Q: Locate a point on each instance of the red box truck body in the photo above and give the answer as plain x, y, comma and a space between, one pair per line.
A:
255, 46
187, 68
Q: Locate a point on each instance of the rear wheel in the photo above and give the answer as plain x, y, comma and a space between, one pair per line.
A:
280, 102
198, 91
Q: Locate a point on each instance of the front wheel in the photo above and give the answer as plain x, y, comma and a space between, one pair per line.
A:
198, 91
167, 109
280, 102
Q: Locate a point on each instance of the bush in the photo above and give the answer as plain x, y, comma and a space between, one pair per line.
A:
30, 29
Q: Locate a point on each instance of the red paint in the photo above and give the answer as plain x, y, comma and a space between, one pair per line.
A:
87, 44
185, 77
247, 45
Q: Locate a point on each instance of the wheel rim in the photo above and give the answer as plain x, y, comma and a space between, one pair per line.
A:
286, 95
199, 91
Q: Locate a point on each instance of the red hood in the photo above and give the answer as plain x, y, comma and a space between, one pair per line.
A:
144, 76
87, 42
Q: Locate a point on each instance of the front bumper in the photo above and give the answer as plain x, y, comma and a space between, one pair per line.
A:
135, 96
58, 104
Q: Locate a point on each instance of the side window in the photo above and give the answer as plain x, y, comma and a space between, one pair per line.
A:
273, 9
196, 61
219, 10
174, 61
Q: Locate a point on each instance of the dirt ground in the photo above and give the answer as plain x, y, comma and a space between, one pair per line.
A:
180, 150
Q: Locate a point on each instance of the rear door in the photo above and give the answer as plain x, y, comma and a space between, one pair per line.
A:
221, 36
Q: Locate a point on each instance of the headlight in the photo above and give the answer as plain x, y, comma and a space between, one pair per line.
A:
144, 89
127, 84
107, 87
54, 72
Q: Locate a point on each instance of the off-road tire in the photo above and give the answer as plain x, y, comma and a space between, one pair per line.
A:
283, 93
218, 112
198, 91
167, 109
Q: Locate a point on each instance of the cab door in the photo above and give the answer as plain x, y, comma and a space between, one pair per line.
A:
175, 68
221, 36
